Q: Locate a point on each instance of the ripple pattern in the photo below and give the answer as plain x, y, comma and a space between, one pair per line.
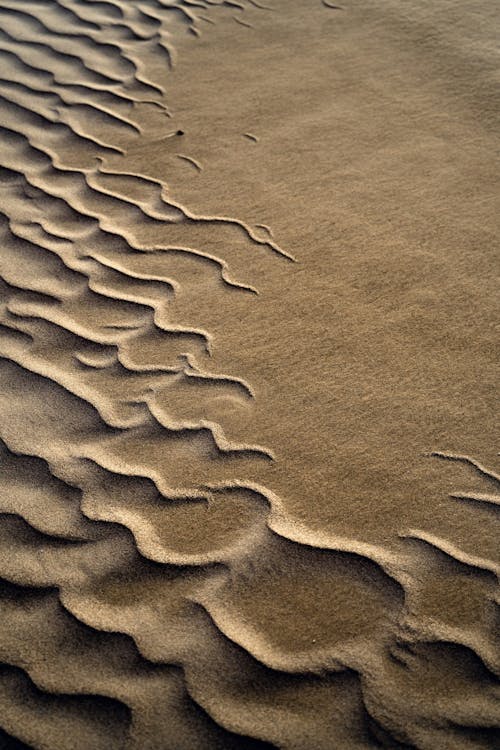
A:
132, 546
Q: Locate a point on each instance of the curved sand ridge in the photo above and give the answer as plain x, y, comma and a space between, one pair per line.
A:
157, 588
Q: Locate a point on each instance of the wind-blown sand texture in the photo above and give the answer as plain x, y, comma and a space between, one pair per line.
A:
248, 371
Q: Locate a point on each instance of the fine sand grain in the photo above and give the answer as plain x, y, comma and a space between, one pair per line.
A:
248, 375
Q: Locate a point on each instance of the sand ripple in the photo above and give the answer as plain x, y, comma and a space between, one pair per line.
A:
138, 550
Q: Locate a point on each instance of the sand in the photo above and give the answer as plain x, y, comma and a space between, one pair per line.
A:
248, 375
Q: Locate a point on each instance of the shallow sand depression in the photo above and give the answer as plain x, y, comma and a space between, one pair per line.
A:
248, 295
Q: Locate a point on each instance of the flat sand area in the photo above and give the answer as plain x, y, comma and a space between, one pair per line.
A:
249, 305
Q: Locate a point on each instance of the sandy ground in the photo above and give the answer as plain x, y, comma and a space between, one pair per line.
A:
248, 375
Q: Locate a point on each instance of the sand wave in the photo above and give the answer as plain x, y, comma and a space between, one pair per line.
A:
139, 549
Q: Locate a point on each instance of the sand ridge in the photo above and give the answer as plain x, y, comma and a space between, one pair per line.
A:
203, 540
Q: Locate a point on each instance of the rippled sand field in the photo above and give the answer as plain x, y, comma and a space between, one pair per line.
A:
249, 375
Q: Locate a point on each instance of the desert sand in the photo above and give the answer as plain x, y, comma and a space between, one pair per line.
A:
249, 374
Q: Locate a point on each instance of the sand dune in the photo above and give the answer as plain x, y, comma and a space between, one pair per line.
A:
248, 303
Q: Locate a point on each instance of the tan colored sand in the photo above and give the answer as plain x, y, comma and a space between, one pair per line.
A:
249, 375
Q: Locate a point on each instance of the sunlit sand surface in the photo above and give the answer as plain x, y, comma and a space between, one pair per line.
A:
248, 375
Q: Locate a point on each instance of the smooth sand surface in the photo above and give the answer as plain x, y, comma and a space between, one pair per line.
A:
249, 374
